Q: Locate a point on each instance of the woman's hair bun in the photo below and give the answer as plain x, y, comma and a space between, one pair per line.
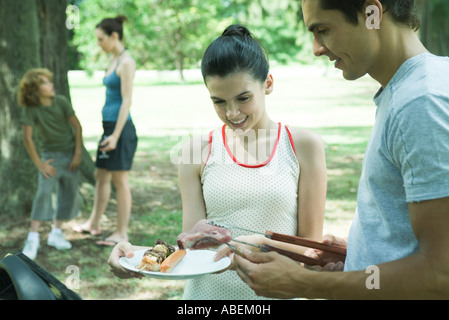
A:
236, 50
121, 19
236, 30
110, 25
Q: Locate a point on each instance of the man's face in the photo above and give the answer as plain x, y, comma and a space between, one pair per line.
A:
352, 47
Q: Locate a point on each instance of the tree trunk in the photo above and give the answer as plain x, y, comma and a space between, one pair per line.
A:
32, 35
16, 171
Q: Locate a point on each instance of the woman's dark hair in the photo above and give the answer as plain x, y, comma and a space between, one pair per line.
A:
235, 51
402, 11
110, 25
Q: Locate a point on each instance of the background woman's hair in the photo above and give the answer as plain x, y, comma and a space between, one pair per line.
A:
236, 50
28, 94
402, 11
110, 25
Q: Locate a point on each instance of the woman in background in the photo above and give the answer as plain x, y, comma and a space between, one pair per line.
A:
119, 141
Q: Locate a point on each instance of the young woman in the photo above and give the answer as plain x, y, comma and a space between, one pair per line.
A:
51, 118
119, 142
259, 174
256, 173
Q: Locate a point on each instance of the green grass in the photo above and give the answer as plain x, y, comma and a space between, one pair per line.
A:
341, 112
344, 154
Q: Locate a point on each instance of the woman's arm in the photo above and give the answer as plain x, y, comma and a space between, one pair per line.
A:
312, 185
189, 176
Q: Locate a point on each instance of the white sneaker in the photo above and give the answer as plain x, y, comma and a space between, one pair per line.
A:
56, 239
31, 247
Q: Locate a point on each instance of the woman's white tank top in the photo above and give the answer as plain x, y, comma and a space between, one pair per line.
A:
254, 196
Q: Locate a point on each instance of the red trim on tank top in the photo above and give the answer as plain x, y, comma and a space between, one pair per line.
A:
291, 139
210, 147
247, 165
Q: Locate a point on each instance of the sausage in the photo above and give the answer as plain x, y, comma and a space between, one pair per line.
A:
172, 260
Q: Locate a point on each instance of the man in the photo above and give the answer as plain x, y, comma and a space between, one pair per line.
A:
402, 219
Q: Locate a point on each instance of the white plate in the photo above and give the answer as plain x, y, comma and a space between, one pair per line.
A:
196, 263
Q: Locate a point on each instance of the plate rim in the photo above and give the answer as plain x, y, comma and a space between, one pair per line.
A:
170, 276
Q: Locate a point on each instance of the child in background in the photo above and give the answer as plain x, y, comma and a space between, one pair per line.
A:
60, 135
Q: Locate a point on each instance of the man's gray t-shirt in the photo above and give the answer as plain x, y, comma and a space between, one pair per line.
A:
406, 160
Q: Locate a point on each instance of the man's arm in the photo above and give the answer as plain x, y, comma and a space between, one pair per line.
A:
424, 275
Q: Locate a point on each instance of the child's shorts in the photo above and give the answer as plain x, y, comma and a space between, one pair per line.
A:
66, 185
122, 157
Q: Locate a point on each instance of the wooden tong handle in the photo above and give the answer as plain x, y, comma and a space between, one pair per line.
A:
294, 256
306, 243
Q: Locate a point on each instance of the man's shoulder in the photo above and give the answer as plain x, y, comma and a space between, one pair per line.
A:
426, 72
426, 79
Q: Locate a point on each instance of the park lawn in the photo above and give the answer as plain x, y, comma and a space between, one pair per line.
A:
165, 115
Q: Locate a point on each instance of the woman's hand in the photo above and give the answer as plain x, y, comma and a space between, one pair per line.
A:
122, 249
108, 144
256, 239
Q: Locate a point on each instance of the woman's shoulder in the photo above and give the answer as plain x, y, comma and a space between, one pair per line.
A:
305, 139
193, 149
127, 64
128, 61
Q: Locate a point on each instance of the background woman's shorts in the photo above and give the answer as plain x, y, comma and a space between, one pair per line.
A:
122, 157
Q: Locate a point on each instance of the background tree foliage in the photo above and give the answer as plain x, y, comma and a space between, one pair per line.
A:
172, 35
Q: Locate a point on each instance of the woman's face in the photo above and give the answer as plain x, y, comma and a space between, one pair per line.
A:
239, 100
107, 43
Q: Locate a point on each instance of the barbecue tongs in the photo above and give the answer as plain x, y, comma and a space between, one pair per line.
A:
287, 239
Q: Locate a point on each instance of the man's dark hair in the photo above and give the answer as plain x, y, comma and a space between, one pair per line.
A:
402, 11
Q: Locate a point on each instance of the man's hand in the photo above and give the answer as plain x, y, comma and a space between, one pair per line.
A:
270, 274
334, 261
